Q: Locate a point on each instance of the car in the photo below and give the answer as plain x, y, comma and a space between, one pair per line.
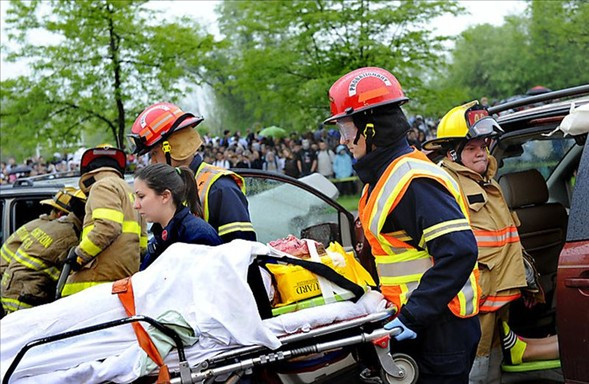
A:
551, 171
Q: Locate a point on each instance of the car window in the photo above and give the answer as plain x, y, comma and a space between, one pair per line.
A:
278, 209
543, 155
25, 210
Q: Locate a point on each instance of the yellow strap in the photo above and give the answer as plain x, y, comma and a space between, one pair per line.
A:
71, 288
108, 214
234, 227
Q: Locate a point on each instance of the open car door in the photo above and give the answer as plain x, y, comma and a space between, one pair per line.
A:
573, 283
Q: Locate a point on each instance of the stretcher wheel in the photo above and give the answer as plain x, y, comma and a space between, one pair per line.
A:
409, 368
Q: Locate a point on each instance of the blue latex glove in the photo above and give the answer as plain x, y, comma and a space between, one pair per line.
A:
405, 334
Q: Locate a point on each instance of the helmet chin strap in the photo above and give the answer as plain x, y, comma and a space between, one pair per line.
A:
369, 135
167, 148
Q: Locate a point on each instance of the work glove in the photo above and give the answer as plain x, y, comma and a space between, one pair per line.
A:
405, 334
73, 260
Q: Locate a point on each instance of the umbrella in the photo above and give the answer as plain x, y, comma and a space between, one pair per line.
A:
274, 132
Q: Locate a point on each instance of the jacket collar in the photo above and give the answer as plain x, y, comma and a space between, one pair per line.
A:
179, 216
467, 172
372, 165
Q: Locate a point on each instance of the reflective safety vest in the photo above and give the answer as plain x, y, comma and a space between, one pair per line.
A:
400, 265
206, 175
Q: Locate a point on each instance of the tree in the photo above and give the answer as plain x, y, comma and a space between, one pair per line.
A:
100, 64
278, 60
548, 45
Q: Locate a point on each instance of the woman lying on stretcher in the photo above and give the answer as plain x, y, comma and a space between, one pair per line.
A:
166, 196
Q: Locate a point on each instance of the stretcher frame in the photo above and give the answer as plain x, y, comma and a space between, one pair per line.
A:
241, 360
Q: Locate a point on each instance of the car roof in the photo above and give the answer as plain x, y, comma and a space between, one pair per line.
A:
544, 109
48, 182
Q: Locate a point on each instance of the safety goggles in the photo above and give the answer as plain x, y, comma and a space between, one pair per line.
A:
484, 127
347, 128
138, 143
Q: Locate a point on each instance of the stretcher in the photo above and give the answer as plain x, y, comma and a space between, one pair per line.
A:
87, 337
330, 341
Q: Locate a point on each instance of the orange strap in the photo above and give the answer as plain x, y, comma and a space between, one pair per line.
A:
124, 288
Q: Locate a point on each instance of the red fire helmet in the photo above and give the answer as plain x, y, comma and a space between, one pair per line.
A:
156, 123
362, 89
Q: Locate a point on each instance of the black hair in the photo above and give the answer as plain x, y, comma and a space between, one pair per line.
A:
178, 180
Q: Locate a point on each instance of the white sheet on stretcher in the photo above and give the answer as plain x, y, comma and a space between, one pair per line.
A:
174, 287
204, 286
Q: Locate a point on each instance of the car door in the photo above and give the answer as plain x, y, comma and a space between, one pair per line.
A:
573, 283
280, 205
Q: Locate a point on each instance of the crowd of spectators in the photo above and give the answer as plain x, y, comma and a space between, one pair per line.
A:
295, 155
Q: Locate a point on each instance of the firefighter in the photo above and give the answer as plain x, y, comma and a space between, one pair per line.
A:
58, 208
415, 220
113, 234
38, 249
167, 133
463, 138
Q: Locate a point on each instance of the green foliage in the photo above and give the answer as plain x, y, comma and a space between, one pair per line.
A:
105, 62
280, 57
548, 46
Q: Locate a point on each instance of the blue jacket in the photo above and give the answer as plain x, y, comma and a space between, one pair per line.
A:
227, 205
183, 228
425, 204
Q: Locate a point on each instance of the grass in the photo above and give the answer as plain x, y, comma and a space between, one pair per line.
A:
349, 202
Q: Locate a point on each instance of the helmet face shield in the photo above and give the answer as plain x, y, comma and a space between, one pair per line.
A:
347, 128
485, 127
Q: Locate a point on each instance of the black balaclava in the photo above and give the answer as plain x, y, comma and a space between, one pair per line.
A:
382, 126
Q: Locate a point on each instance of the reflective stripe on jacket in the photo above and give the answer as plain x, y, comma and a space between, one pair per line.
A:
31, 276
500, 253
206, 175
8, 250
113, 234
400, 265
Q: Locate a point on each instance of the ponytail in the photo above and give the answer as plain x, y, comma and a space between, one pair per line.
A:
179, 181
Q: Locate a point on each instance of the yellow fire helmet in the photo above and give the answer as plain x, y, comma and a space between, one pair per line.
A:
463, 123
63, 199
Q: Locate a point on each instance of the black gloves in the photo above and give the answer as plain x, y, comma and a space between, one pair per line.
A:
72, 259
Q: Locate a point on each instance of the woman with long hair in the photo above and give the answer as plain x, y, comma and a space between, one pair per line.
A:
166, 196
